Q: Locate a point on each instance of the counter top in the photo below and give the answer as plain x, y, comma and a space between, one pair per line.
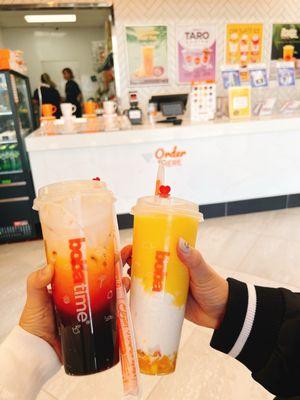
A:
161, 132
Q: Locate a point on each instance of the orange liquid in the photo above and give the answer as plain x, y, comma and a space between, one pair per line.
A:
99, 277
148, 60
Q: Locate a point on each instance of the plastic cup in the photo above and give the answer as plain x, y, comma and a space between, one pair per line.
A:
48, 110
160, 281
77, 220
68, 109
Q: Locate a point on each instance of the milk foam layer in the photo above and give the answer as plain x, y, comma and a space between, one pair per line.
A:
157, 321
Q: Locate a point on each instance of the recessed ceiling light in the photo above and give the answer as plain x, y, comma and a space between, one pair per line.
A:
38, 19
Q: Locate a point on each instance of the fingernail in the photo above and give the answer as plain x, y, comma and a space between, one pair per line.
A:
184, 246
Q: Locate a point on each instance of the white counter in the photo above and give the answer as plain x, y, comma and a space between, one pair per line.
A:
208, 162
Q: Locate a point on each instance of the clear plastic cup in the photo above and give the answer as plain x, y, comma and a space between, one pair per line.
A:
160, 281
78, 227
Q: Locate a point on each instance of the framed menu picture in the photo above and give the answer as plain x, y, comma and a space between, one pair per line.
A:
244, 43
230, 75
239, 102
147, 53
258, 75
285, 46
286, 73
196, 53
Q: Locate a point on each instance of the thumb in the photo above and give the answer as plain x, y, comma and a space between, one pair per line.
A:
38, 280
198, 269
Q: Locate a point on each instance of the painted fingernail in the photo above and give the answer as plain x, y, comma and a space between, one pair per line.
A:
184, 246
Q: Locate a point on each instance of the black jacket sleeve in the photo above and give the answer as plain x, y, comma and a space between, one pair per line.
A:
272, 347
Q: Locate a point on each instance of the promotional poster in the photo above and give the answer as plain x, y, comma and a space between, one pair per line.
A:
196, 49
147, 51
244, 44
285, 46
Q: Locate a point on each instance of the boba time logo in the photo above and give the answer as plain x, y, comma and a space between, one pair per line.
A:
80, 288
161, 260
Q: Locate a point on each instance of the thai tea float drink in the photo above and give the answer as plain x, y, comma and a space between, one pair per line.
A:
77, 220
160, 281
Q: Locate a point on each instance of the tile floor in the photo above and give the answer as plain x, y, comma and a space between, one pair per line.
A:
261, 248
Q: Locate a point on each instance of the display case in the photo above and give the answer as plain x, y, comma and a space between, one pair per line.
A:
17, 220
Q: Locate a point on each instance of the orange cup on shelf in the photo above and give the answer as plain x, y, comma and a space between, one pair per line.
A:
48, 110
90, 107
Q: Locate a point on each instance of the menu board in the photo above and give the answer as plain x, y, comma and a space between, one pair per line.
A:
286, 73
244, 44
147, 51
285, 46
196, 53
203, 101
239, 102
258, 75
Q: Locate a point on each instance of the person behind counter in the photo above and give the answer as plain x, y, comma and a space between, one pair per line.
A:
48, 94
73, 91
108, 72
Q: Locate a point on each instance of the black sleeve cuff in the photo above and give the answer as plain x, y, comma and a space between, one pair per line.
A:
261, 342
268, 319
226, 335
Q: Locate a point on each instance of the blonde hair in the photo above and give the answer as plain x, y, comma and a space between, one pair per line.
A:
45, 78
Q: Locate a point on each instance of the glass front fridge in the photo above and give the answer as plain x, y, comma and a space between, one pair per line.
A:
17, 220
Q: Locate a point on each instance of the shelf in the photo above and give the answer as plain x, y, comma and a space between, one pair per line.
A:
13, 184
6, 113
19, 171
8, 141
14, 199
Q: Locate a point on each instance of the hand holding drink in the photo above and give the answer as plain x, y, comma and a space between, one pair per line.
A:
77, 220
160, 281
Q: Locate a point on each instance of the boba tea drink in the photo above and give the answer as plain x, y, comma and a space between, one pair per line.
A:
160, 281
77, 220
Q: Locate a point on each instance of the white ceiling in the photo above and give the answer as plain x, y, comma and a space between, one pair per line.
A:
85, 18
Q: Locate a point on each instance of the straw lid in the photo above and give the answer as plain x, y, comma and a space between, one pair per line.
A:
166, 205
67, 190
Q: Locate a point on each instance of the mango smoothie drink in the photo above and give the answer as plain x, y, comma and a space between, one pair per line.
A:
77, 220
160, 281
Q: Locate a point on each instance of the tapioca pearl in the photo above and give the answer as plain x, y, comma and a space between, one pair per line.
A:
66, 299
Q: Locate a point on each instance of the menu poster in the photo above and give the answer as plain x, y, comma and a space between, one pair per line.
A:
285, 46
258, 75
244, 44
147, 51
196, 52
230, 75
239, 102
286, 73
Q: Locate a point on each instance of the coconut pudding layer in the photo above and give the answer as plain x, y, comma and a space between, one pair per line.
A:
157, 322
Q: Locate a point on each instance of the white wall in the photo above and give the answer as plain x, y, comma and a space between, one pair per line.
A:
185, 12
42, 45
1, 39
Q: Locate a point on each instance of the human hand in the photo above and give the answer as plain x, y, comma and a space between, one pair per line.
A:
208, 291
38, 314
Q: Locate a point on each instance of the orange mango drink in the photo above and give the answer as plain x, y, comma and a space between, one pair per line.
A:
160, 281
77, 219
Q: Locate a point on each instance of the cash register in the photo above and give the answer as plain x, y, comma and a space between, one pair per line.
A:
170, 105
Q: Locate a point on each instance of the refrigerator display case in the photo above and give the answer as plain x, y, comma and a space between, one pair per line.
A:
17, 219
